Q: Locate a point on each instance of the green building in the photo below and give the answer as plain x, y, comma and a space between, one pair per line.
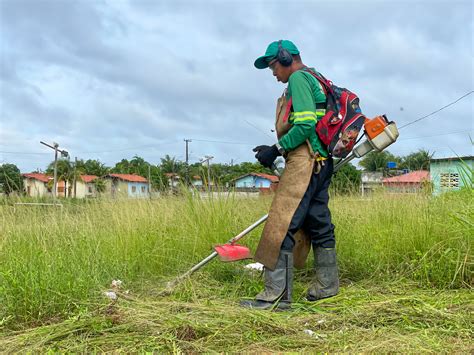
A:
451, 173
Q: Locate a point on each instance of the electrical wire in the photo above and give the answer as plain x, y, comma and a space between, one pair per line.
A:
25, 153
258, 129
437, 135
432, 113
223, 142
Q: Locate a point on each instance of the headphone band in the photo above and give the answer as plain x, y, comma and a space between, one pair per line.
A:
283, 55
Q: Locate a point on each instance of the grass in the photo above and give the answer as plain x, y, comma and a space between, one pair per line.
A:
405, 261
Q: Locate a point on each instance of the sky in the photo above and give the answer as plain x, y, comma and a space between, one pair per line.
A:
111, 79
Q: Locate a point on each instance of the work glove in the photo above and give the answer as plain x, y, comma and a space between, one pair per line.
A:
266, 154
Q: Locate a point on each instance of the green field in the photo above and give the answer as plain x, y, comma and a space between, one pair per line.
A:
405, 263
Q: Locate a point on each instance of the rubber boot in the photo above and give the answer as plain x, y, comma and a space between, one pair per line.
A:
278, 286
326, 281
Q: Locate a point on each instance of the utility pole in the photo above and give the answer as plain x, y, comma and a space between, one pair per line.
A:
207, 159
64, 153
149, 180
187, 160
74, 177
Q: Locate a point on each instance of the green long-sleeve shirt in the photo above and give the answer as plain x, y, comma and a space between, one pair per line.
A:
305, 92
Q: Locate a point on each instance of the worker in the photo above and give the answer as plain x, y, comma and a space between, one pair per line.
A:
299, 216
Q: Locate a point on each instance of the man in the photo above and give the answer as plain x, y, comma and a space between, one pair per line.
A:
299, 216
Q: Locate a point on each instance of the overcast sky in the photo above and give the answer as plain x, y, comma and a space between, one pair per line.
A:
110, 79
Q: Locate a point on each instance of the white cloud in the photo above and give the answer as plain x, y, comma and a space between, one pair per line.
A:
101, 77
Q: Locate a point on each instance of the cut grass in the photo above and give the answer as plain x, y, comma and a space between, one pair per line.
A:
364, 317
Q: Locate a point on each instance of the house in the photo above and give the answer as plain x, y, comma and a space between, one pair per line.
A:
126, 185
370, 181
256, 181
36, 184
173, 179
413, 181
197, 182
85, 186
451, 173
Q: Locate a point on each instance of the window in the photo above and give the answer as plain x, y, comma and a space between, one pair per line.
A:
89, 189
449, 180
134, 189
143, 189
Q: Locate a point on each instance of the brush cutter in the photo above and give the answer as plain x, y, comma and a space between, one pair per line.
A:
380, 134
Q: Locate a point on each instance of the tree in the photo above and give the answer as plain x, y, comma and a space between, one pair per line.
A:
419, 160
100, 185
92, 167
65, 172
347, 179
10, 179
377, 161
172, 165
138, 165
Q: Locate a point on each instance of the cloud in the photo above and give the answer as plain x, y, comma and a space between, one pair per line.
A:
107, 75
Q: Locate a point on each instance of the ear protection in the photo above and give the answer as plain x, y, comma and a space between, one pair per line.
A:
283, 56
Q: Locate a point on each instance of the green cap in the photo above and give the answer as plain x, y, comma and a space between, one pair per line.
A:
272, 51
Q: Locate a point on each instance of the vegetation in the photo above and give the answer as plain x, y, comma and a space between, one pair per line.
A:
405, 262
377, 161
10, 179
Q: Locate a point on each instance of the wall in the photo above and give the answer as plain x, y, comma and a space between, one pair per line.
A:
116, 188
246, 181
82, 189
262, 182
138, 189
448, 173
37, 188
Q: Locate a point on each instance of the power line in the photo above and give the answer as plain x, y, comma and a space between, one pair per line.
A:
258, 129
432, 113
437, 135
26, 153
223, 142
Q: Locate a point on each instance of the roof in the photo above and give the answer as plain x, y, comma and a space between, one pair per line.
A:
272, 178
172, 175
37, 176
128, 177
411, 177
88, 178
467, 157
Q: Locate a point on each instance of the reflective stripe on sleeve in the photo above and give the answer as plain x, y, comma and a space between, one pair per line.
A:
303, 116
320, 112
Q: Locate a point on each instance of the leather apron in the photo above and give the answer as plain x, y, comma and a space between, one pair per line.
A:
292, 186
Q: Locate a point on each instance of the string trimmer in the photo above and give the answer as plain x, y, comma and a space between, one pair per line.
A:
379, 133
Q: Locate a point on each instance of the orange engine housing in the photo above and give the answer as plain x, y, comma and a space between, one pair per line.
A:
373, 127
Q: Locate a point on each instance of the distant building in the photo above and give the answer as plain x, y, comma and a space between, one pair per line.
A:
126, 185
36, 184
411, 182
85, 186
197, 181
370, 181
173, 179
256, 181
449, 174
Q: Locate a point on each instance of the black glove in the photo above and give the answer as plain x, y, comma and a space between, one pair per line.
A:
266, 154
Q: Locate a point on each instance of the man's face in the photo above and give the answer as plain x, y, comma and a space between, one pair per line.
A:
279, 71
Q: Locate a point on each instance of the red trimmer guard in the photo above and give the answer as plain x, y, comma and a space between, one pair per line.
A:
232, 252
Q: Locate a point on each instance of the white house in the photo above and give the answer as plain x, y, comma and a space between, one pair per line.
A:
36, 184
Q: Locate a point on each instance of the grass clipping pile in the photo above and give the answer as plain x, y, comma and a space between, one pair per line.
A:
363, 317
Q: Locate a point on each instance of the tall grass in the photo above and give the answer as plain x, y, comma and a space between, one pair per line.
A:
53, 261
